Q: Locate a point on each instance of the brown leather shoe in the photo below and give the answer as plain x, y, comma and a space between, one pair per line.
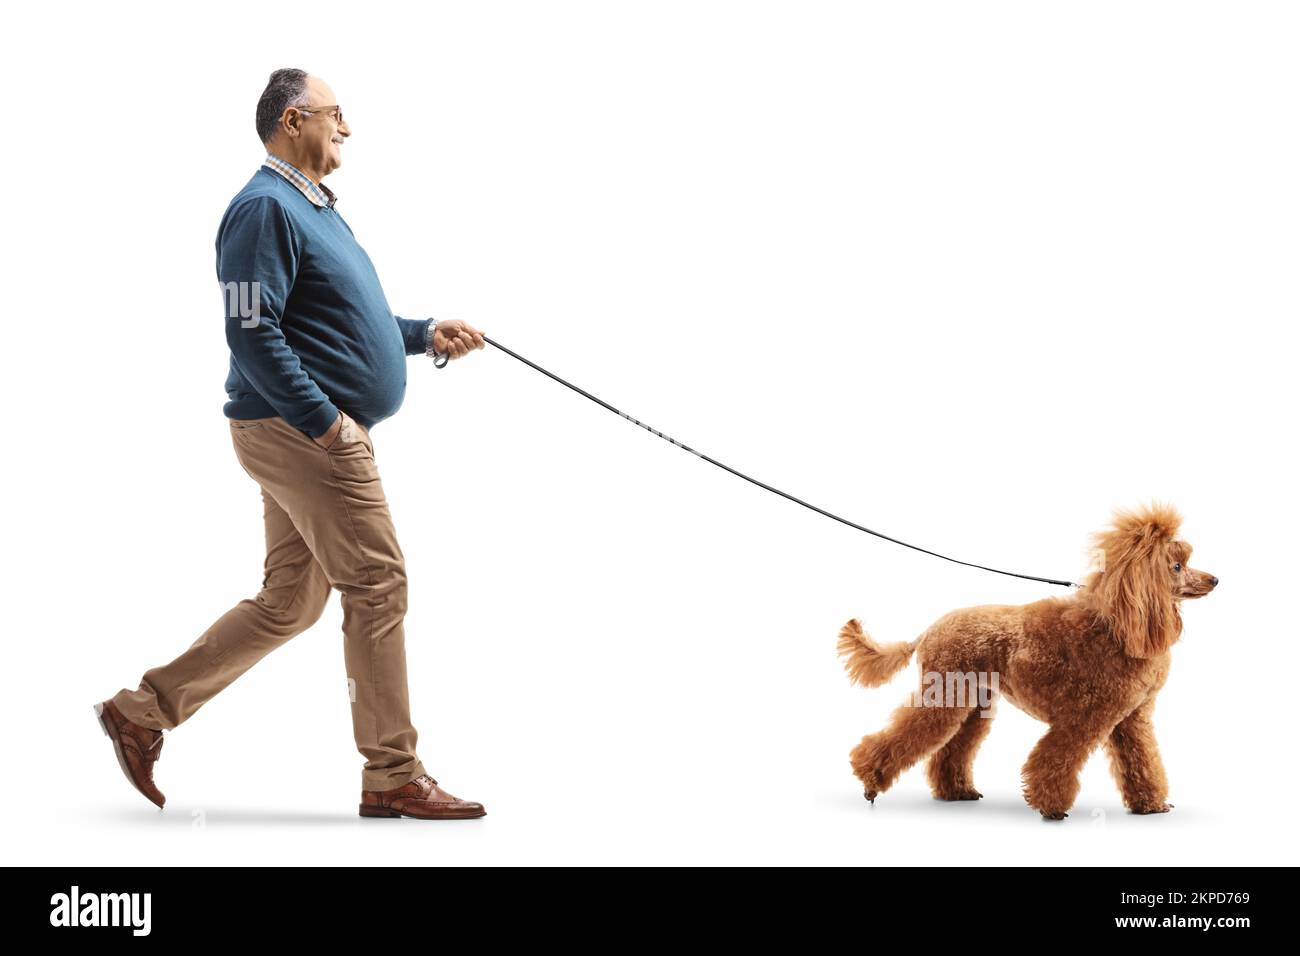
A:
422, 798
137, 748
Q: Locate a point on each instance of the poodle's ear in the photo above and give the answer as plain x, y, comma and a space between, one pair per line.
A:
1132, 590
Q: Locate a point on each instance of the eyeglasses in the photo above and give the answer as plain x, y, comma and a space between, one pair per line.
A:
335, 111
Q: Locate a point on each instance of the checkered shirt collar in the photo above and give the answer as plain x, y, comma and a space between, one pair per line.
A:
318, 193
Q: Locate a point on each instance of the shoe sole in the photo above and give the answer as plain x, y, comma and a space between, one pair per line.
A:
117, 749
387, 812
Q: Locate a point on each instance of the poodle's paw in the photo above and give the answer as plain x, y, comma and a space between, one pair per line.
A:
966, 793
1049, 808
1051, 802
862, 760
873, 784
1153, 808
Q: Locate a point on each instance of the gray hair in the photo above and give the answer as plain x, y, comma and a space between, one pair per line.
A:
285, 88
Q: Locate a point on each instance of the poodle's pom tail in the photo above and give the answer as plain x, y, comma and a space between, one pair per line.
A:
867, 662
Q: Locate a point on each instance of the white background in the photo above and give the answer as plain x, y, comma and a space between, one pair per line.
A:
971, 274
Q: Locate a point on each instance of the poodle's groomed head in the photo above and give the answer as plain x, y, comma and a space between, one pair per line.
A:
1143, 574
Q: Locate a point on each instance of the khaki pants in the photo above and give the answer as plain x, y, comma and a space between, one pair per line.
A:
327, 525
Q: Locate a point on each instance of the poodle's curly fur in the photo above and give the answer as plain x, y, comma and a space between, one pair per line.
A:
1089, 665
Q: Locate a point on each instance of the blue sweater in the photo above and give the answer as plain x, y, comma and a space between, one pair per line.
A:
316, 334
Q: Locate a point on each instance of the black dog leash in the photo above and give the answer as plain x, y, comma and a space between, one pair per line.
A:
778, 491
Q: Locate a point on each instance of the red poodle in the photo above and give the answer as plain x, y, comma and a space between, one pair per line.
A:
1089, 665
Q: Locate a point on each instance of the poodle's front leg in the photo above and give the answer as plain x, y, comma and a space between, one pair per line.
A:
1135, 762
1051, 774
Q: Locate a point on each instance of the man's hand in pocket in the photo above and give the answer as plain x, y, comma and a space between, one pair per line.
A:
328, 438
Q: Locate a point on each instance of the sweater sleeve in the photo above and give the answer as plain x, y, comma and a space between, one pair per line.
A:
414, 334
258, 252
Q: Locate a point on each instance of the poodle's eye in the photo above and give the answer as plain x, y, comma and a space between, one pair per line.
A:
1177, 568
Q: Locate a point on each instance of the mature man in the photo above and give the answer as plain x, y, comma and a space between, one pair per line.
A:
317, 359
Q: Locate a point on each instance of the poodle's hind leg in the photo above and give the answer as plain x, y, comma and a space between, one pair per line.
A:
914, 732
1135, 763
951, 768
